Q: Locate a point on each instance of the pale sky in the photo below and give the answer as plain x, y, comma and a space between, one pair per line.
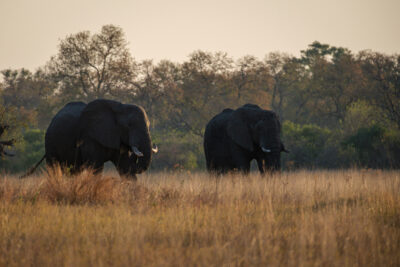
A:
30, 30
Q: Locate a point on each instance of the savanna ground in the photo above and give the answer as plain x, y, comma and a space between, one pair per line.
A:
303, 218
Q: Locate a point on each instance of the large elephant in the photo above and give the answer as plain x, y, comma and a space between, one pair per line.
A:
235, 137
87, 135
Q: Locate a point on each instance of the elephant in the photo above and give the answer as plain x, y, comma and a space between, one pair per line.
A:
88, 135
233, 138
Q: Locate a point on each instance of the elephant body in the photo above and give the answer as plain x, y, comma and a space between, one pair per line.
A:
87, 135
61, 136
235, 137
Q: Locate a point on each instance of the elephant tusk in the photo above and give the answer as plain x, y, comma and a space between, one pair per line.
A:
266, 150
155, 149
137, 151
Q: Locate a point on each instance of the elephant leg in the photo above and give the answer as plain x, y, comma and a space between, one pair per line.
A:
261, 165
242, 165
273, 162
93, 156
240, 160
222, 167
96, 166
245, 168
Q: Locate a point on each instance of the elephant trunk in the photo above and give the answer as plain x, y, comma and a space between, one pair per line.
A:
271, 162
275, 162
145, 147
271, 148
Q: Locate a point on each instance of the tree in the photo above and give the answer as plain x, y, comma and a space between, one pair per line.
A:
15, 117
383, 75
250, 81
29, 94
202, 92
155, 89
29, 150
93, 66
334, 82
287, 87
19, 90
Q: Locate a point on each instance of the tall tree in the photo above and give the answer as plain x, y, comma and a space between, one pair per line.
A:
29, 93
250, 82
93, 66
155, 89
202, 92
383, 75
334, 82
288, 96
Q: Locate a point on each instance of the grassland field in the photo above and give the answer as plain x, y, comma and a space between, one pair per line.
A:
301, 218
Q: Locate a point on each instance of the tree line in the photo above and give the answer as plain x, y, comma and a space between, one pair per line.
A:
338, 108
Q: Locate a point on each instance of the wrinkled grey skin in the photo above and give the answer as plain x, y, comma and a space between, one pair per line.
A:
88, 135
235, 137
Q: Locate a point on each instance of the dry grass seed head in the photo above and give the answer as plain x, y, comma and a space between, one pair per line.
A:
82, 188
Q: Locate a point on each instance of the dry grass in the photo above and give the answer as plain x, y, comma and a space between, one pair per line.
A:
305, 218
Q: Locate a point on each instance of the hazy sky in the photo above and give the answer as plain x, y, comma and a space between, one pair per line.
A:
30, 30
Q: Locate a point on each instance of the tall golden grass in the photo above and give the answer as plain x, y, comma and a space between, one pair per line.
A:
304, 218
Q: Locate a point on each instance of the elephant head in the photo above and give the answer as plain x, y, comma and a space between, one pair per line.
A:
120, 127
257, 131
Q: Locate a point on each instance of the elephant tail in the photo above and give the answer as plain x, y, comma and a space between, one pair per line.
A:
31, 170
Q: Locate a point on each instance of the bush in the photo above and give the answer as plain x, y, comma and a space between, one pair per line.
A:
29, 151
178, 152
376, 147
306, 143
391, 143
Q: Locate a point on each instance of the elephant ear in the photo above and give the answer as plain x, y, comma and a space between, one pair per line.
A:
98, 121
238, 130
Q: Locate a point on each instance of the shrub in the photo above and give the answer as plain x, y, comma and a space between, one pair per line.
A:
306, 143
83, 188
376, 147
28, 152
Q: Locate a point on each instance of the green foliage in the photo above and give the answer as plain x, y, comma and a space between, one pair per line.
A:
376, 147
178, 152
360, 114
391, 143
29, 151
306, 143
16, 119
34, 146
382, 75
